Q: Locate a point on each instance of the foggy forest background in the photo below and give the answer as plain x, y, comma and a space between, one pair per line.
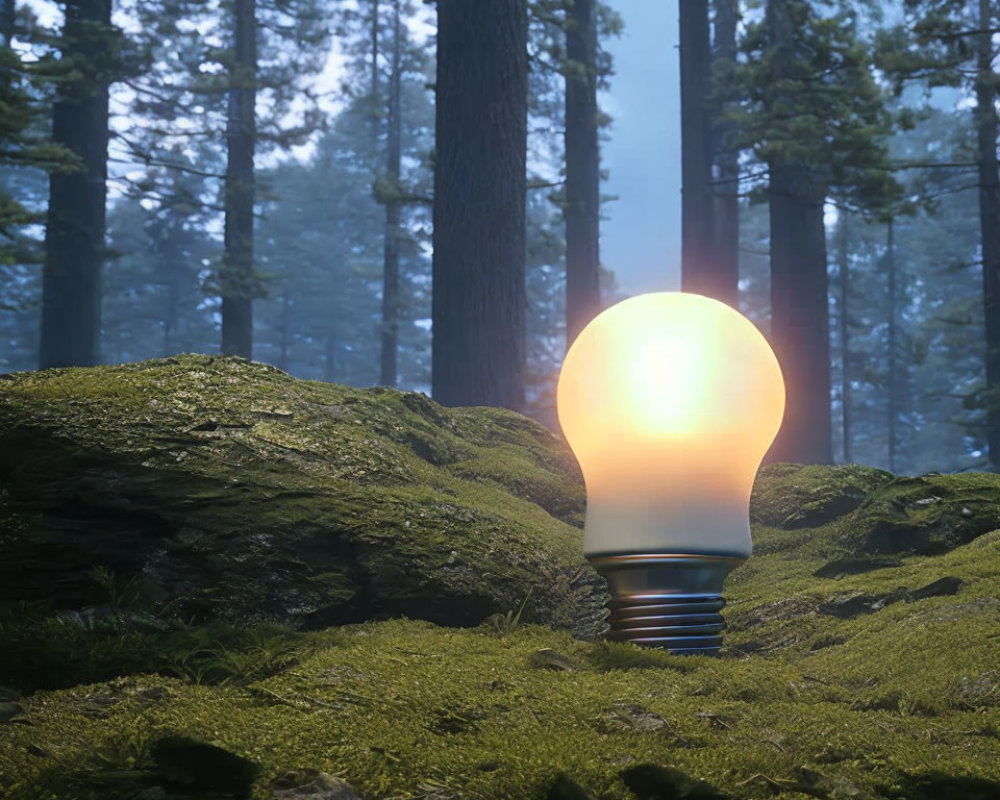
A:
440, 173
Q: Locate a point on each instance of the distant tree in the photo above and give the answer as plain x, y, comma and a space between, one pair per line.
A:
478, 290
816, 118
75, 224
322, 253
725, 157
844, 310
698, 262
582, 203
388, 74
237, 278
160, 254
393, 206
27, 75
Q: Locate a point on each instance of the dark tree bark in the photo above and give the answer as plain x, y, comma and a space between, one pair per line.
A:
697, 228
989, 221
478, 306
845, 333
799, 324
75, 225
583, 169
799, 306
238, 280
390, 277
892, 346
726, 183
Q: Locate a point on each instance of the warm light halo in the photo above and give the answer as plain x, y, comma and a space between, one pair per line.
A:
669, 401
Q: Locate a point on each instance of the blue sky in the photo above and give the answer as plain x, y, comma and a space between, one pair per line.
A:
640, 239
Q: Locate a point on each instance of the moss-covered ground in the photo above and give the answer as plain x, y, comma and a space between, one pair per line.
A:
811, 697
861, 659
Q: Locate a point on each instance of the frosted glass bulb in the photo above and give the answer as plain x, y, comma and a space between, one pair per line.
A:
669, 401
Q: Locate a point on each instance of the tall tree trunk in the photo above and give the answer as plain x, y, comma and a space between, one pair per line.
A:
893, 346
843, 267
75, 225
583, 169
726, 174
799, 308
238, 281
698, 269
390, 277
478, 304
989, 222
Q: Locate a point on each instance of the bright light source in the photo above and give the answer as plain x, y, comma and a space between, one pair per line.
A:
669, 401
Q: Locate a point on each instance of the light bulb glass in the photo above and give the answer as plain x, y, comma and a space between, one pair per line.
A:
669, 401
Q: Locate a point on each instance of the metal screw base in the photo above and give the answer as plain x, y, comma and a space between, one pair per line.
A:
664, 600
690, 625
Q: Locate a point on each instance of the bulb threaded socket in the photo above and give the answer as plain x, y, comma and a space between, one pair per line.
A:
670, 601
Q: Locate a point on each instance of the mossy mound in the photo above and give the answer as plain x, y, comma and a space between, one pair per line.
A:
799, 496
900, 703
928, 514
227, 490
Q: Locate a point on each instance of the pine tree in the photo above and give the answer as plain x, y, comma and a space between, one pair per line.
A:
387, 78
160, 255
26, 82
234, 71
816, 118
75, 224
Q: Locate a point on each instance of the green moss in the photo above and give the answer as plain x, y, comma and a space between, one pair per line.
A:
798, 496
400, 705
860, 659
929, 514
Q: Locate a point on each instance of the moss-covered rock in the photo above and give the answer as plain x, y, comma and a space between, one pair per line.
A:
929, 514
799, 496
233, 491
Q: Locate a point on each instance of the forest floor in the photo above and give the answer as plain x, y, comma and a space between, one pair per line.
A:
861, 658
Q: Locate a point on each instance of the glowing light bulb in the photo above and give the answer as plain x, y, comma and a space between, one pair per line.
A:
669, 401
